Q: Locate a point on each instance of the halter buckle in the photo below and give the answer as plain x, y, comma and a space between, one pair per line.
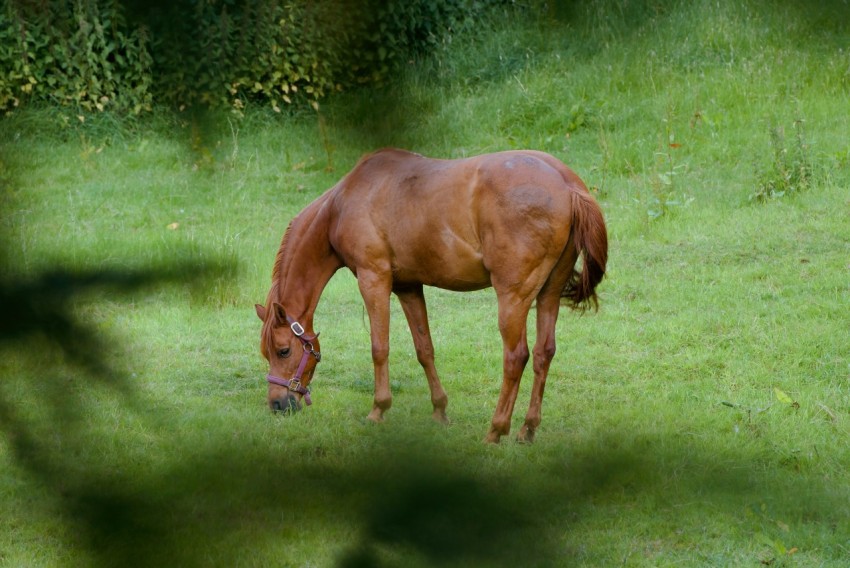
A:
296, 329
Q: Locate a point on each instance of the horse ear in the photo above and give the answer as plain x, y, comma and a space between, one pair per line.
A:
261, 311
279, 312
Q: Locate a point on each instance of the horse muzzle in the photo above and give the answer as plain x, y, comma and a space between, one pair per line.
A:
285, 405
289, 403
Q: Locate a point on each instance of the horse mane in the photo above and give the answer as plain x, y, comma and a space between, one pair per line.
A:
274, 291
278, 266
281, 265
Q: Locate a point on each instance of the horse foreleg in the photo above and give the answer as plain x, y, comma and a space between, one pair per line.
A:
544, 350
413, 304
375, 290
512, 324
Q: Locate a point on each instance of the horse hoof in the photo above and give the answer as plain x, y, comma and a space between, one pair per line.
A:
441, 418
375, 417
525, 436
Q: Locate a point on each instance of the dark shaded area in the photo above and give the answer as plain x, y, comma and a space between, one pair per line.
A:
400, 499
431, 513
408, 507
440, 514
408, 501
637, 10
40, 305
39, 320
395, 499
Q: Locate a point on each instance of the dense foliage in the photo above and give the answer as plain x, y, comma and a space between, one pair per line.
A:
99, 54
80, 52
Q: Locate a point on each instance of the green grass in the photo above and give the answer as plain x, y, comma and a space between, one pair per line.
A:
668, 437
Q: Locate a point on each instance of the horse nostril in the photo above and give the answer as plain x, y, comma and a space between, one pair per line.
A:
292, 403
289, 405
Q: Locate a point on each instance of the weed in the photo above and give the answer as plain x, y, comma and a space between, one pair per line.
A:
666, 193
790, 169
665, 190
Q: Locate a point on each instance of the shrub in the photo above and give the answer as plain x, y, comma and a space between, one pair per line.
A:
92, 55
80, 53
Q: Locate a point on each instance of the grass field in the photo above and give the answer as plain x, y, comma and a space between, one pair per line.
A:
700, 418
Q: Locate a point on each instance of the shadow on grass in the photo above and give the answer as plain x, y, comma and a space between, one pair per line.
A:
399, 508
395, 505
232, 500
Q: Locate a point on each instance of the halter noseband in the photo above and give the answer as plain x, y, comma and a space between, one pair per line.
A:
294, 384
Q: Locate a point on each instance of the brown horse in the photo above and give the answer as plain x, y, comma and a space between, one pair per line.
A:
516, 221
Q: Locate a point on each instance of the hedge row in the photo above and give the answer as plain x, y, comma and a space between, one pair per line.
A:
105, 54
73, 53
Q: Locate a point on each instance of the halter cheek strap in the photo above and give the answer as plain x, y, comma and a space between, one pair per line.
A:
294, 384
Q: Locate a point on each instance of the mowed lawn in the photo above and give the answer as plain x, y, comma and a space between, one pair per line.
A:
700, 418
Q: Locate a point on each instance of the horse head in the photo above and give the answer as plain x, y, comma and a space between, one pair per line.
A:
292, 352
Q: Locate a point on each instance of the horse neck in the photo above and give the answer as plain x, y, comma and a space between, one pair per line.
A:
305, 263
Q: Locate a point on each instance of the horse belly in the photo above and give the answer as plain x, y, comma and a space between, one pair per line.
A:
442, 260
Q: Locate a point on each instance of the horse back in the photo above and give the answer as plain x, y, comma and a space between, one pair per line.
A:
445, 222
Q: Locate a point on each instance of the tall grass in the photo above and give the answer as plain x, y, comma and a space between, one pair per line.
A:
701, 418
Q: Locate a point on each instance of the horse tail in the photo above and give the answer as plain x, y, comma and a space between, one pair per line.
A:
591, 241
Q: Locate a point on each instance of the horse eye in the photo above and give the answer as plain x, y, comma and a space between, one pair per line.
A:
284, 353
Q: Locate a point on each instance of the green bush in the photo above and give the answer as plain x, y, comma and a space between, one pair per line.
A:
89, 54
228, 52
80, 53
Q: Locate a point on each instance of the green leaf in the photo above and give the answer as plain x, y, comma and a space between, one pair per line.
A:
782, 397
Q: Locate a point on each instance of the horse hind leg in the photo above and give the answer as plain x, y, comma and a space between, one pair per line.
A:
513, 312
543, 353
548, 307
413, 304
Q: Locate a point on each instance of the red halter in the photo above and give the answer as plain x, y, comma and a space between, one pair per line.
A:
294, 384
